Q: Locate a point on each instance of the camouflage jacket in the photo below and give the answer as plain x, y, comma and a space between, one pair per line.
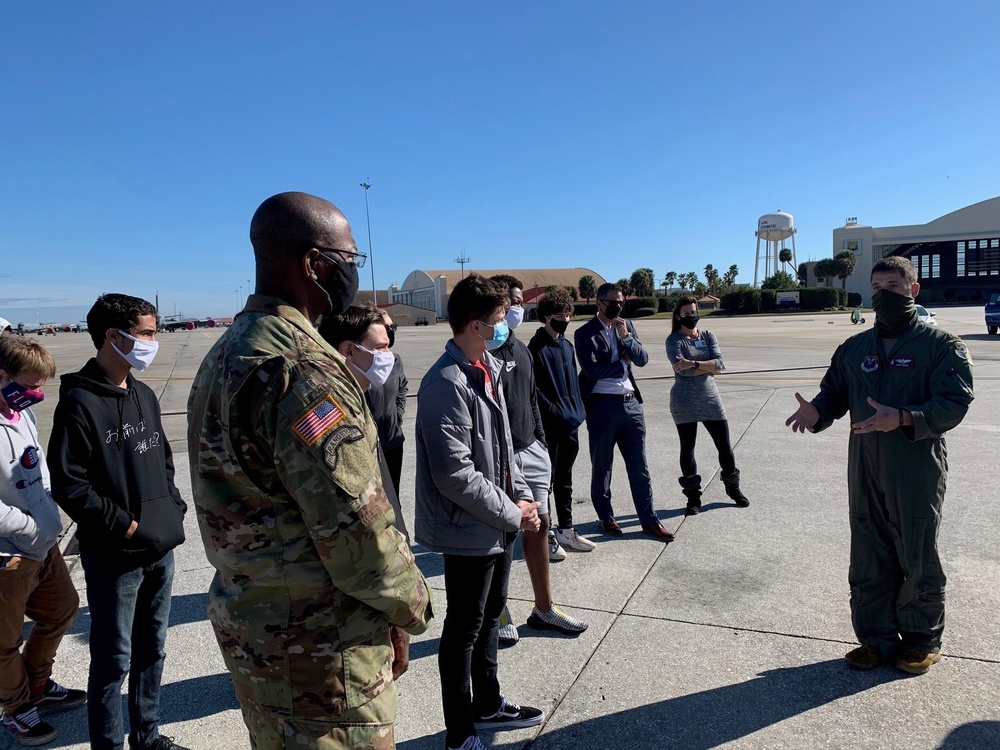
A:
310, 571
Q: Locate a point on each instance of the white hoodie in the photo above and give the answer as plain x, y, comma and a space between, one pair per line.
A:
29, 517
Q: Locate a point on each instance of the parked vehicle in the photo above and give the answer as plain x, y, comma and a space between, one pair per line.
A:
925, 316
993, 314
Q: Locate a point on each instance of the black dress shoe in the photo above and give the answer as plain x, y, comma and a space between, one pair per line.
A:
658, 532
692, 510
610, 526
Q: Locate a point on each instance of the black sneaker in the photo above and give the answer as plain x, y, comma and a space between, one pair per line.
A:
55, 696
28, 728
511, 716
162, 742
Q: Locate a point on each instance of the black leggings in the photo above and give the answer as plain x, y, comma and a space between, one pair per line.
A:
719, 430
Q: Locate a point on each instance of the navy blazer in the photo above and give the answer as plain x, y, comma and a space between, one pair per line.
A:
593, 350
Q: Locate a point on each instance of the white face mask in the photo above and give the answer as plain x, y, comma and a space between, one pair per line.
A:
142, 353
378, 371
514, 317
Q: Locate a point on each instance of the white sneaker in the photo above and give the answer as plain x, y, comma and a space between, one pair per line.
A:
556, 553
571, 538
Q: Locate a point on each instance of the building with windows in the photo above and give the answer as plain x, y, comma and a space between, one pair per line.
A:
431, 289
957, 256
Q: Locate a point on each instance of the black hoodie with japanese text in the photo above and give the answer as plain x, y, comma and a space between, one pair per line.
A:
110, 464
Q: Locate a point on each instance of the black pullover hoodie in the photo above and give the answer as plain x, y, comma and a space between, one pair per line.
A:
110, 464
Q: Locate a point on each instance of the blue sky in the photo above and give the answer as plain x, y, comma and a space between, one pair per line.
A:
138, 138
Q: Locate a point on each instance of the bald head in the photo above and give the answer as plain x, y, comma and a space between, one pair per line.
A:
286, 225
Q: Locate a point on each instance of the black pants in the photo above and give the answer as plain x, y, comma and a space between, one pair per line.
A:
394, 460
476, 591
719, 430
563, 448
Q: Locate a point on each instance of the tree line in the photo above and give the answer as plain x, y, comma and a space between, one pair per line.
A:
642, 283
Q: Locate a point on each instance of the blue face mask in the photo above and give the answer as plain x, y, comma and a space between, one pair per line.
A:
500, 333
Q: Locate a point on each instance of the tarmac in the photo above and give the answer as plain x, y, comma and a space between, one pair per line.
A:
733, 636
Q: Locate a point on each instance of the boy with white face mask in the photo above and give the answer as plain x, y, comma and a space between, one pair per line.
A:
362, 337
113, 473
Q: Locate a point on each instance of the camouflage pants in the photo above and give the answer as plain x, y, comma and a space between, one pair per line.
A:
369, 727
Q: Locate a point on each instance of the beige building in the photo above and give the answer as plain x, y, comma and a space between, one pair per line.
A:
431, 289
957, 255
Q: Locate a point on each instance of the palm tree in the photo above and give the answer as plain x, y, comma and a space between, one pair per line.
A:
588, 287
729, 277
846, 263
669, 279
785, 256
692, 279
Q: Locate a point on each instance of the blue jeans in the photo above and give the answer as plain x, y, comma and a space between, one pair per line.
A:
610, 422
129, 609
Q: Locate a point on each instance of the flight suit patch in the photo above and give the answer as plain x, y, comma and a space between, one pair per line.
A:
905, 362
346, 434
869, 363
962, 352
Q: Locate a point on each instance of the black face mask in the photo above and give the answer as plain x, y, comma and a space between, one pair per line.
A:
559, 326
341, 285
689, 321
612, 310
894, 313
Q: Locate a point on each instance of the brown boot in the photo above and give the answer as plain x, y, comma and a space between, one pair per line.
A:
863, 657
916, 661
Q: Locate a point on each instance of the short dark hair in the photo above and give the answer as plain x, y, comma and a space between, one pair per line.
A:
115, 311
675, 319
507, 281
899, 265
553, 303
350, 325
603, 289
473, 298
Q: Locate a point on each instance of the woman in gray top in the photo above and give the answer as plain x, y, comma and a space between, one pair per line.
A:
696, 359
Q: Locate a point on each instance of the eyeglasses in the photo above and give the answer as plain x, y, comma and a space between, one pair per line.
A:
357, 259
391, 327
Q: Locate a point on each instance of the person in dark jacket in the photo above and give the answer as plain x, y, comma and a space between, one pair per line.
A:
905, 384
518, 379
388, 405
608, 346
113, 473
557, 385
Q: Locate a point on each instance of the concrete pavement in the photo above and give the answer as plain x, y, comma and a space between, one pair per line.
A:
731, 637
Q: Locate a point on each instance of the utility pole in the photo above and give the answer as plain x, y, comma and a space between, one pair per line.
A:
462, 260
371, 257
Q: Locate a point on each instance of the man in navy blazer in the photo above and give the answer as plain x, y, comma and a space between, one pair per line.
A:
607, 347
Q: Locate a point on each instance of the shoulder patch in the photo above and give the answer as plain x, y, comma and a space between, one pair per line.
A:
318, 421
346, 434
962, 351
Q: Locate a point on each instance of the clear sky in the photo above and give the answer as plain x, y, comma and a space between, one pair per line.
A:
137, 139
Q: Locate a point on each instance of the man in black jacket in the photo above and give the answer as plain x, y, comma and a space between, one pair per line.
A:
113, 473
532, 457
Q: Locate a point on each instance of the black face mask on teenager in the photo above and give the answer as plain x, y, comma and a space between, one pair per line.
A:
689, 321
894, 313
612, 309
341, 285
559, 326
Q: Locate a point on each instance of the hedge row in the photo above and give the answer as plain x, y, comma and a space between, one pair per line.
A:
757, 300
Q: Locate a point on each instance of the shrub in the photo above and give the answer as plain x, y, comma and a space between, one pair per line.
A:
768, 299
644, 312
818, 298
666, 304
636, 303
585, 308
750, 300
730, 302
854, 299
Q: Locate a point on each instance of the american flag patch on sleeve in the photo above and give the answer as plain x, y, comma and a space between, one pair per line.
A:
318, 421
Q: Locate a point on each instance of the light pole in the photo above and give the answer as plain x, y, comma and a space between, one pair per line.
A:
371, 258
462, 260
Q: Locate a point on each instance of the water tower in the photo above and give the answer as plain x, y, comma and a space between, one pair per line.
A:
774, 230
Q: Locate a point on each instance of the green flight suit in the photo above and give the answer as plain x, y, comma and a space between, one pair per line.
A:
310, 571
896, 480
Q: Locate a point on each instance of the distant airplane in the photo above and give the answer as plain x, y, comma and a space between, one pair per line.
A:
172, 323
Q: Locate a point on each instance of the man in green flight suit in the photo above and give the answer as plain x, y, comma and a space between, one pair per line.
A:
905, 385
315, 590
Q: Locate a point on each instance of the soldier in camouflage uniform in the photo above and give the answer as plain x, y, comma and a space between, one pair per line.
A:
315, 590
